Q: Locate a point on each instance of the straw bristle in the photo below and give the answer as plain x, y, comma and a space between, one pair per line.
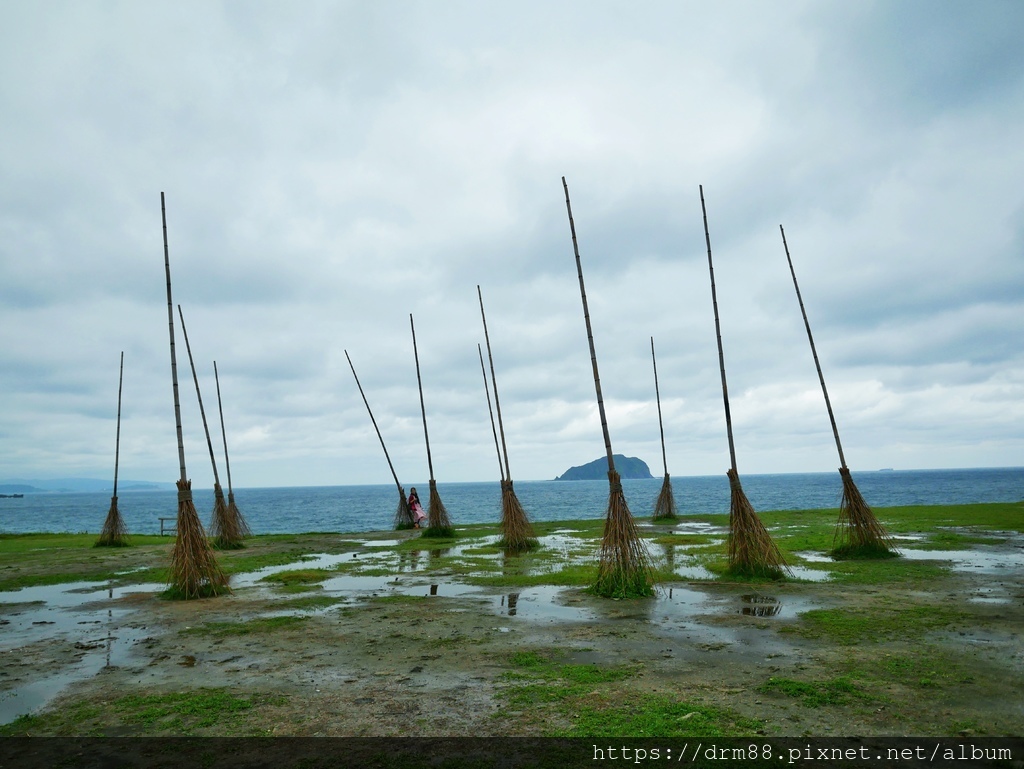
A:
438, 523
114, 532
194, 569
625, 569
225, 527
752, 551
234, 512
665, 508
858, 532
403, 515
517, 532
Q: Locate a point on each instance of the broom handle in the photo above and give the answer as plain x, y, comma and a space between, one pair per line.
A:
401, 491
718, 333
423, 407
657, 396
590, 333
174, 363
487, 392
199, 395
117, 444
814, 352
494, 383
223, 432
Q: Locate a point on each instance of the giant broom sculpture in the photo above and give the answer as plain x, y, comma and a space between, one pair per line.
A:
438, 523
624, 569
403, 516
665, 506
234, 515
516, 531
194, 569
226, 533
752, 551
858, 531
114, 532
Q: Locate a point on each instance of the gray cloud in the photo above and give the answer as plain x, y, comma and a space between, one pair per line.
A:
333, 167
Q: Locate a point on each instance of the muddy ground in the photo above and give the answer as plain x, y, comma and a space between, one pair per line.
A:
403, 644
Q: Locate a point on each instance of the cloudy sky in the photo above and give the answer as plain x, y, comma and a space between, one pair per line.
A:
331, 167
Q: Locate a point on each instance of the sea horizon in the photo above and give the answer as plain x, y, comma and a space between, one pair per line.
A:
371, 507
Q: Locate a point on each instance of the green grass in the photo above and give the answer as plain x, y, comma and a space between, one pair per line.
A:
176, 713
298, 577
814, 694
650, 715
860, 625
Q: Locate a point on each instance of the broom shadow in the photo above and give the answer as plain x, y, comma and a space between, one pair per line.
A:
858, 534
624, 569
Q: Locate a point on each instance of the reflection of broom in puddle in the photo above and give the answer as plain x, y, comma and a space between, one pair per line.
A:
665, 507
194, 569
624, 569
438, 523
114, 532
516, 531
858, 534
752, 551
403, 516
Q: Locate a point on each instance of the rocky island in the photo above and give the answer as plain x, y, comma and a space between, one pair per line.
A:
627, 467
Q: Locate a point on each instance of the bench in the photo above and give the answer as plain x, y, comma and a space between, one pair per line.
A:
169, 528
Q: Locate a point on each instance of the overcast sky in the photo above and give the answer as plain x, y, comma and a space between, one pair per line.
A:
331, 167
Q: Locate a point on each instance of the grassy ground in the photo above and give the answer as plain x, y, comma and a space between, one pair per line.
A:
883, 647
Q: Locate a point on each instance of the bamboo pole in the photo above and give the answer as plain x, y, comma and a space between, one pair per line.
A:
236, 526
202, 411
517, 533
752, 551
624, 567
665, 505
439, 524
403, 518
490, 411
194, 569
114, 531
494, 384
859, 533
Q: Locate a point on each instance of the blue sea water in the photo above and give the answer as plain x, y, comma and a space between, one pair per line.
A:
372, 508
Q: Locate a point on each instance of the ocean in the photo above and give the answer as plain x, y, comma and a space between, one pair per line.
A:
350, 509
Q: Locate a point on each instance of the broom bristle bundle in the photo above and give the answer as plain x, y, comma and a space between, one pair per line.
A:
403, 515
625, 569
114, 532
194, 569
859, 534
225, 527
752, 551
438, 523
517, 532
233, 511
665, 508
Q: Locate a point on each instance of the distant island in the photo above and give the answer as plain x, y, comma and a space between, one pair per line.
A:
627, 467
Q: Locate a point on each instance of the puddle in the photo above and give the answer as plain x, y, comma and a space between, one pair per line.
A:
760, 606
543, 603
83, 616
815, 557
979, 559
